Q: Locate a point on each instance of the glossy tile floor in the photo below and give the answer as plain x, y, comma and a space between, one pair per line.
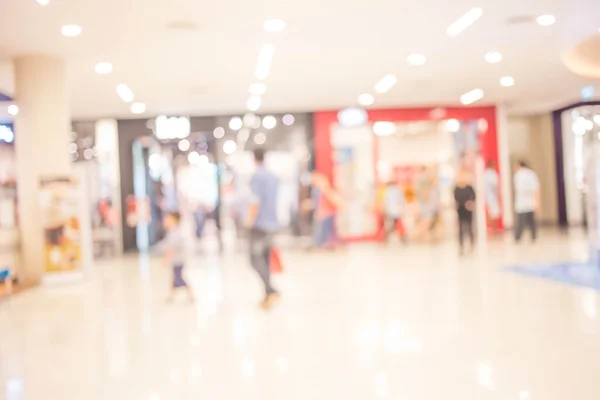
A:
414, 323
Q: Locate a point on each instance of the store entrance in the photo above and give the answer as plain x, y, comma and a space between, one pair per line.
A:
165, 181
421, 158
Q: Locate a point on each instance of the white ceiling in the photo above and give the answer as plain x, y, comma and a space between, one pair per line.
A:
331, 51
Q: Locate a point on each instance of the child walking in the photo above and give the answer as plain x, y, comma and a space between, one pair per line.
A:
174, 253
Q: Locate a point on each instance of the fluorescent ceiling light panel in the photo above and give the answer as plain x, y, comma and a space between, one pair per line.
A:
493, 57
416, 59
465, 21
71, 30
386, 83
366, 99
546, 20
258, 88
254, 103
103, 68
138, 108
263, 65
507, 81
125, 93
471, 97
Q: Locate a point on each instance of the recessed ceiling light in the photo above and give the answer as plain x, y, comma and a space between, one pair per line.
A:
493, 57
258, 88
507, 81
274, 25
366, 99
253, 103
138, 108
13, 109
71, 30
384, 128
125, 93
386, 83
416, 59
103, 68
236, 123
546, 20
263, 65
269, 122
43, 2
465, 21
471, 97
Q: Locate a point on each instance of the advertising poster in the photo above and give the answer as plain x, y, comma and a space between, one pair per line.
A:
59, 206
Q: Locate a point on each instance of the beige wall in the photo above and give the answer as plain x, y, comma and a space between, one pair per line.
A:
531, 138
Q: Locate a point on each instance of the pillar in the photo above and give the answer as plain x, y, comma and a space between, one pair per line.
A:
42, 130
504, 167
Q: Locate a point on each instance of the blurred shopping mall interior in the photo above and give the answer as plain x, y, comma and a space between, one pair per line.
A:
117, 117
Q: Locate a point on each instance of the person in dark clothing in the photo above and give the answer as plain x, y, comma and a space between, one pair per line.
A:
464, 195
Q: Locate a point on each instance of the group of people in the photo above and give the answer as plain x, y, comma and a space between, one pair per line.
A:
262, 219
527, 203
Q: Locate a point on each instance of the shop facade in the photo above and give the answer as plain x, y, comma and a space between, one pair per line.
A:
413, 147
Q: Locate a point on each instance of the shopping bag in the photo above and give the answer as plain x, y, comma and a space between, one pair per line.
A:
275, 264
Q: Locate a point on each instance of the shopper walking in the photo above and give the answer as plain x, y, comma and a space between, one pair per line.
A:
527, 200
490, 179
263, 223
326, 203
464, 196
394, 203
174, 254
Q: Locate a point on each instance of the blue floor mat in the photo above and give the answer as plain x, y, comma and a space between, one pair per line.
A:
569, 273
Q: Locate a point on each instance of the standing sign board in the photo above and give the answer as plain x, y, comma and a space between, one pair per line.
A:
60, 213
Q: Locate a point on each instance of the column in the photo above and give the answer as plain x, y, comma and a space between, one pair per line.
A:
42, 130
504, 166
